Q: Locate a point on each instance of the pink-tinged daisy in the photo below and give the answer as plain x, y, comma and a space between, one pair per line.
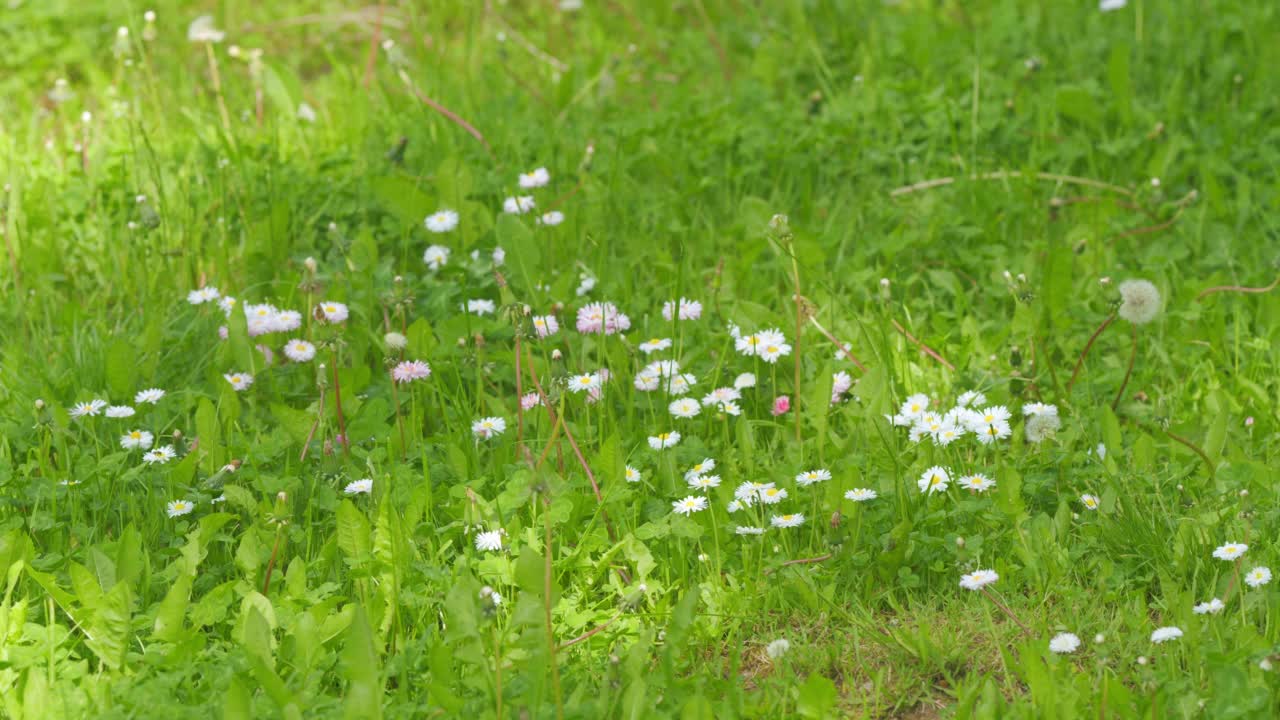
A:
410, 370
528, 401
978, 579
744, 381
689, 309
545, 325
602, 318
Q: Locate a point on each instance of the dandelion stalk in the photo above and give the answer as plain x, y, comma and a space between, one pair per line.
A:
337, 400
1005, 609
1088, 346
1129, 372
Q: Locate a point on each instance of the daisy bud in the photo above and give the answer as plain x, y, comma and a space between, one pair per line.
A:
86, 117
835, 519
149, 16
1265, 664
702, 557
781, 405
1104, 281
1142, 659
959, 541
462, 342
395, 341
282, 496
1008, 276
1244, 493
234, 51
397, 279
1022, 277
1155, 182
39, 404
556, 308
555, 354
1099, 638
644, 588
177, 434
310, 264
1179, 487
1248, 422
526, 310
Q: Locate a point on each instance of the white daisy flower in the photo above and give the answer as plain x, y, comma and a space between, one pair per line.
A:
176, 508
787, 521
810, 477
978, 579
1165, 634
648, 381
299, 350
744, 381
933, 480
441, 221
136, 439
702, 468
1258, 577
730, 408
977, 482
704, 482
488, 427
480, 307
1213, 607
1039, 408
239, 381
1090, 502
654, 345
551, 219
489, 541
436, 256
334, 312
518, 205
632, 475
689, 505
771, 352
681, 384
160, 455
685, 408
359, 487
87, 409
535, 179
971, 398
1230, 551
664, 440
119, 411
150, 395
584, 383
861, 494
772, 495
914, 406
748, 530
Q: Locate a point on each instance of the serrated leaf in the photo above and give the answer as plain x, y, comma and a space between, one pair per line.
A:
360, 668
353, 533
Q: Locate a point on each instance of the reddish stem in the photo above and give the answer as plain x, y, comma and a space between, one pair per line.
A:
1087, 346
1127, 373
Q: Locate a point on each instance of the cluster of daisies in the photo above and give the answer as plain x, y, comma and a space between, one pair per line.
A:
445, 220
969, 417
1066, 642
136, 439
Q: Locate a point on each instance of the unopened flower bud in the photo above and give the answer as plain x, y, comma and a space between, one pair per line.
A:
555, 354
310, 264
39, 404
959, 541
282, 496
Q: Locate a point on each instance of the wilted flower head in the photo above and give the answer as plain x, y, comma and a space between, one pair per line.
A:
202, 30
1042, 426
777, 648
1139, 301
395, 341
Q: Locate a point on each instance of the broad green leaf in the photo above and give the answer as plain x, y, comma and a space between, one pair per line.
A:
209, 430
353, 534
360, 667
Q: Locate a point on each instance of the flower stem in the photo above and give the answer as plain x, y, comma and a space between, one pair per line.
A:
1132, 356
1087, 346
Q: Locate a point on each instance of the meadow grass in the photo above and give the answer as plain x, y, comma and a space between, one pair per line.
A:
952, 192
